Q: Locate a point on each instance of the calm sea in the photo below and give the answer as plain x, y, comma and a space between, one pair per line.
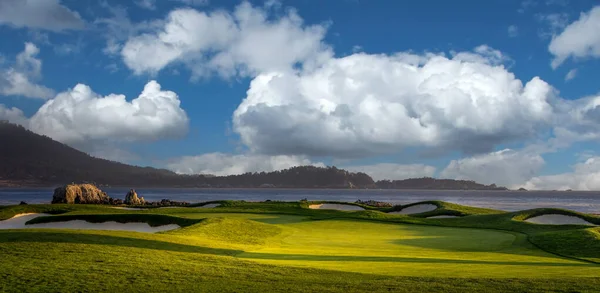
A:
588, 202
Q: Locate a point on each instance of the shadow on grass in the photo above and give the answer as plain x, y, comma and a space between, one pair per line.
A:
461, 239
97, 239
397, 259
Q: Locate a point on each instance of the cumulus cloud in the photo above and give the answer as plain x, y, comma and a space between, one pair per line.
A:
585, 176
392, 171
80, 116
39, 14
579, 39
578, 120
13, 115
221, 164
505, 168
364, 104
247, 41
18, 80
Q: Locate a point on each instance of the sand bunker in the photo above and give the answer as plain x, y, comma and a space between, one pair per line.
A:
443, 217
210, 205
18, 222
129, 209
557, 219
416, 209
335, 206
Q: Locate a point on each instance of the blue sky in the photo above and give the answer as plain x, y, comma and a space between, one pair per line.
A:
494, 91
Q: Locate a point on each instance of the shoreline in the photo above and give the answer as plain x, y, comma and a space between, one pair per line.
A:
298, 188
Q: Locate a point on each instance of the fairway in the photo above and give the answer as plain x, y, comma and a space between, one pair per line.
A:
414, 250
262, 247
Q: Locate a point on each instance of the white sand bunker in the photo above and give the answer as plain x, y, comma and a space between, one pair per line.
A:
416, 209
18, 222
130, 209
443, 217
557, 219
210, 205
335, 206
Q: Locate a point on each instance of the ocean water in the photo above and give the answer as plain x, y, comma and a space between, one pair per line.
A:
582, 201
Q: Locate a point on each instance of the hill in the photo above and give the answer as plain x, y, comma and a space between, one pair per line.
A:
436, 184
30, 159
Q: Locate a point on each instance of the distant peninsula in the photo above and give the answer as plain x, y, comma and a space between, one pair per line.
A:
33, 160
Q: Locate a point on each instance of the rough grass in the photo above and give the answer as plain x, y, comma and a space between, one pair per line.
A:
580, 243
277, 246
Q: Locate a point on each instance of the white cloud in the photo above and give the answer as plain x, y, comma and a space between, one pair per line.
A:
505, 168
571, 74
526, 4
18, 80
364, 104
39, 14
80, 116
146, 4
481, 54
552, 24
118, 27
392, 171
578, 120
221, 164
513, 31
579, 39
193, 2
585, 176
246, 42
13, 115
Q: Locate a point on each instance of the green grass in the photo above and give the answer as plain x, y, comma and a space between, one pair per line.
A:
286, 247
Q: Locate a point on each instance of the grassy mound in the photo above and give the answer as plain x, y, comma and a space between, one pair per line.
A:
445, 209
581, 243
231, 230
527, 214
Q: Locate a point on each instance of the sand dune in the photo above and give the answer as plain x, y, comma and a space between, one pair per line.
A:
416, 209
557, 219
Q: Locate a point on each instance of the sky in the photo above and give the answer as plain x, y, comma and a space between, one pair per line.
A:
503, 92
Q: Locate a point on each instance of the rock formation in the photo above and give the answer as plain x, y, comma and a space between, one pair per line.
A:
375, 203
79, 194
132, 198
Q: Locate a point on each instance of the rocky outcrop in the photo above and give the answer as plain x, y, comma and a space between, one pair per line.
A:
79, 194
168, 203
374, 203
132, 198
